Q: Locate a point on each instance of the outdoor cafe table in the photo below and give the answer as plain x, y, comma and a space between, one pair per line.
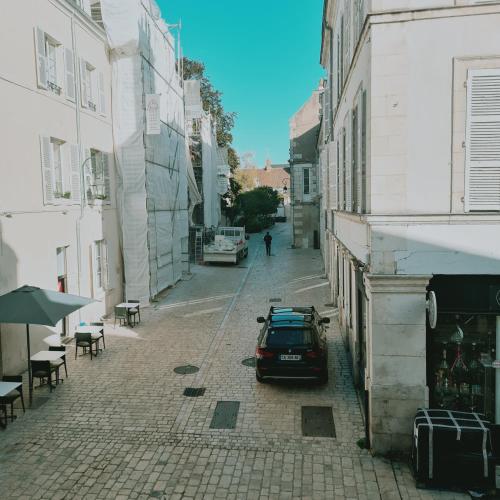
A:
128, 305
95, 331
47, 355
5, 388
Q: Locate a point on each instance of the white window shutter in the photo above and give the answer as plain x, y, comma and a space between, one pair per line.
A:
69, 70
41, 58
348, 167
333, 174
75, 174
102, 94
326, 109
358, 172
83, 84
87, 175
47, 170
341, 170
66, 167
105, 169
348, 22
482, 156
105, 266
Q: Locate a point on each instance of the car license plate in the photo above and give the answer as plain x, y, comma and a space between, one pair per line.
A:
290, 357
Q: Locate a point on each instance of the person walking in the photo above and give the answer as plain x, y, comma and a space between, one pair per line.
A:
267, 240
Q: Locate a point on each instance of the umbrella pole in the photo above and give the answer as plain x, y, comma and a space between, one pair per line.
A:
29, 363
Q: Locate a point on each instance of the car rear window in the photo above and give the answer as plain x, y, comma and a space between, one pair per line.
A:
280, 337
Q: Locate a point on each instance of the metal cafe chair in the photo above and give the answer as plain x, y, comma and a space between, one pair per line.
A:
136, 310
59, 362
100, 323
10, 398
85, 341
121, 315
43, 370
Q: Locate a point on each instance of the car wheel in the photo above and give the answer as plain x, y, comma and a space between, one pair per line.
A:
259, 378
323, 379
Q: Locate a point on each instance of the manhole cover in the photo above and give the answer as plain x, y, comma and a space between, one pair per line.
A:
186, 370
275, 299
194, 392
225, 415
249, 362
156, 494
317, 421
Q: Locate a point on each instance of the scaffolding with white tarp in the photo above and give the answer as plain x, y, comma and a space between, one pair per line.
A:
153, 165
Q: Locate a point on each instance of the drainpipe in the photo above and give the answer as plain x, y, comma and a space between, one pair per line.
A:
82, 179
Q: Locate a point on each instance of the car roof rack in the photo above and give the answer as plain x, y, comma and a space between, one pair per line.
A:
292, 310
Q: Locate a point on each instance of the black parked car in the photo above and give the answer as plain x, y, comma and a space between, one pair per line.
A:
292, 345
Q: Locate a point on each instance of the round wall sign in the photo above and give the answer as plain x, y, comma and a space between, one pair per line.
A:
432, 309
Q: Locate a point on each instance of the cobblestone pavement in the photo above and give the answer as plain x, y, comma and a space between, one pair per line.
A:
120, 427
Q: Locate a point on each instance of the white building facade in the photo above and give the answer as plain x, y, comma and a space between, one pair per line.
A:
305, 188
411, 199
58, 216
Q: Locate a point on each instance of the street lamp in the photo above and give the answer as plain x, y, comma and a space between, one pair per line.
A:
284, 181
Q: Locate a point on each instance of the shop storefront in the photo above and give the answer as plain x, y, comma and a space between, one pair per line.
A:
463, 346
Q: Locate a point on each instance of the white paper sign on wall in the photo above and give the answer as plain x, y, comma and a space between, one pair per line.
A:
153, 125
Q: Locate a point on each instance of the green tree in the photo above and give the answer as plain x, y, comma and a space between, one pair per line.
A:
257, 206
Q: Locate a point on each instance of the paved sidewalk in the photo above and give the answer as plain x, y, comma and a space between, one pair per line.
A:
120, 427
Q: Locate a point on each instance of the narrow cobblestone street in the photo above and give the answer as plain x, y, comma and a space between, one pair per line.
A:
120, 427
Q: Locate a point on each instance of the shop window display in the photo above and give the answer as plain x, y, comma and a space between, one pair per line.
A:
461, 376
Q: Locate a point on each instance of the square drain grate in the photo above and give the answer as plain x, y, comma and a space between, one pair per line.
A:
225, 415
317, 421
275, 299
194, 392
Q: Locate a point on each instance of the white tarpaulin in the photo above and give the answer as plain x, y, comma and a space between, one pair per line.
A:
150, 145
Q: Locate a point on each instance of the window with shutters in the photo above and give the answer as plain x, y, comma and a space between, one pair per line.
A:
49, 62
52, 65
60, 171
88, 78
339, 199
100, 264
363, 194
97, 184
482, 155
92, 88
354, 159
345, 173
342, 54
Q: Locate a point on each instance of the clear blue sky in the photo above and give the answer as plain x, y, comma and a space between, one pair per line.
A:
262, 54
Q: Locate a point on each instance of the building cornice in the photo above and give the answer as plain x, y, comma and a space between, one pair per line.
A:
390, 283
419, 219
72, 9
